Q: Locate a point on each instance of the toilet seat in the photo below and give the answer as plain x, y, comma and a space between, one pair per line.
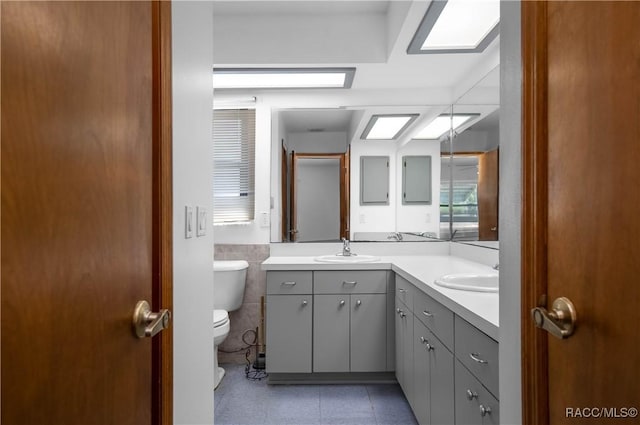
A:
220, 318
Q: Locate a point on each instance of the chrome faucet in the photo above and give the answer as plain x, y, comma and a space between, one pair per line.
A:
395, 235
346, 247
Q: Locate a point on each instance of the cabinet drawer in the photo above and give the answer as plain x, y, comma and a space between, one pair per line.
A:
350, 282
435, 316
404, 290
472, 399
478, 353
289, 282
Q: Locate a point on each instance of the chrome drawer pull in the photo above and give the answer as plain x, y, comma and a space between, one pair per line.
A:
430, 347
288, 283
475, 357
471, 395
304, 303
345, 282
427, 313
402, 290
423, 340
484, 410
341, 302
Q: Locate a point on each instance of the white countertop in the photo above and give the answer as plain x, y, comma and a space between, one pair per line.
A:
478, 308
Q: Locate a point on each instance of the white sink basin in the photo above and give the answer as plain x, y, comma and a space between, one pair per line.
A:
470, 282
347, 259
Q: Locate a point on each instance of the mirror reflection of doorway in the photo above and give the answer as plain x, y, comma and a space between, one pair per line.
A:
319, 197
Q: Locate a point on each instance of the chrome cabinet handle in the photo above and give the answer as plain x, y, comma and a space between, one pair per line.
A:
430, 347
304, 303
346, 282
402, 290
358, 303
471, 395
341, 303
288, 283
402, 314
398, 310
484, 410
423, 340
427, 313
475, 357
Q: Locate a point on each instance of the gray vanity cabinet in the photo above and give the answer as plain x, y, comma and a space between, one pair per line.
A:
433, 378
289, 330
350, 321
368, 340
289, 319
404, 347
331, 333
475, 405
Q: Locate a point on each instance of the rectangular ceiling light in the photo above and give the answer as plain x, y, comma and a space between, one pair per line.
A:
387, 127
441, 125
457, 26
282, 78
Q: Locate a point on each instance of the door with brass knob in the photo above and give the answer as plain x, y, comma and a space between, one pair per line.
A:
147, 323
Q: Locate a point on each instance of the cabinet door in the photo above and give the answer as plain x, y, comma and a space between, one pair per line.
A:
416, 180
368, 332
442, 382
404, 348
374, 180
289, 319
331, 333
420, 401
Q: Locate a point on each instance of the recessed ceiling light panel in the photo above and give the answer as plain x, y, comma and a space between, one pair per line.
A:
282, 78
441, 125
387, 127
457, 26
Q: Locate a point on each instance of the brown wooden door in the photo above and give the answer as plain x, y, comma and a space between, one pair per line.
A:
79, 212
581, 228
488, 196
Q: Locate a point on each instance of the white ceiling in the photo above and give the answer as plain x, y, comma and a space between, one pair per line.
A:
304, 120
371, 36
298, 7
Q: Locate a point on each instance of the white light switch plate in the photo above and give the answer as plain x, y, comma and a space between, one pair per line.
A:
264, 219
201, 221
188, 221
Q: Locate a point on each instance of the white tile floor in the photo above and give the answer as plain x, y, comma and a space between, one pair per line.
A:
239, 401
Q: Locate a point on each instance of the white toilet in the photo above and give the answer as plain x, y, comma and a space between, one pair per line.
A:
229, 280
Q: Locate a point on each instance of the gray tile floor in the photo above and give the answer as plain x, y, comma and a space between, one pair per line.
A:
239, 401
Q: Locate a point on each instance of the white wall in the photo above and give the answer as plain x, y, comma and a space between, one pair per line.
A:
192, 50
254, 232
318, 193
395, 216
510, 212
320, 142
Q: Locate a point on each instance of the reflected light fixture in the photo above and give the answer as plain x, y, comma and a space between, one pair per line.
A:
282, 78
441, 125
457, 26
387, 127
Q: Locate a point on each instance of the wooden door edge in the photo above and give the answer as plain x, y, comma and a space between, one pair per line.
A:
535, 388
162, 346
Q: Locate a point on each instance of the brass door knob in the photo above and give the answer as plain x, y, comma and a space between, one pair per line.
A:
560, 321
147, 323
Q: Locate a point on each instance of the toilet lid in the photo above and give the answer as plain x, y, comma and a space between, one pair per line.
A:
220, 317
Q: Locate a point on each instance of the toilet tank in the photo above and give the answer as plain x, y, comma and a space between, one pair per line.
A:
229, 281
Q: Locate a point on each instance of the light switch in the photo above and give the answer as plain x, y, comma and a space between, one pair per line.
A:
201, 221
188, 222
264, 219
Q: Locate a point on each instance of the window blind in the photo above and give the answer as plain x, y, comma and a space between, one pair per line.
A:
234, 165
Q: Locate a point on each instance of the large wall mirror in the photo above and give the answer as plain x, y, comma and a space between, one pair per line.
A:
472, 164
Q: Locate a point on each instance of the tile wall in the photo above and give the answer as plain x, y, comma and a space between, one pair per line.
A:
248, 316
